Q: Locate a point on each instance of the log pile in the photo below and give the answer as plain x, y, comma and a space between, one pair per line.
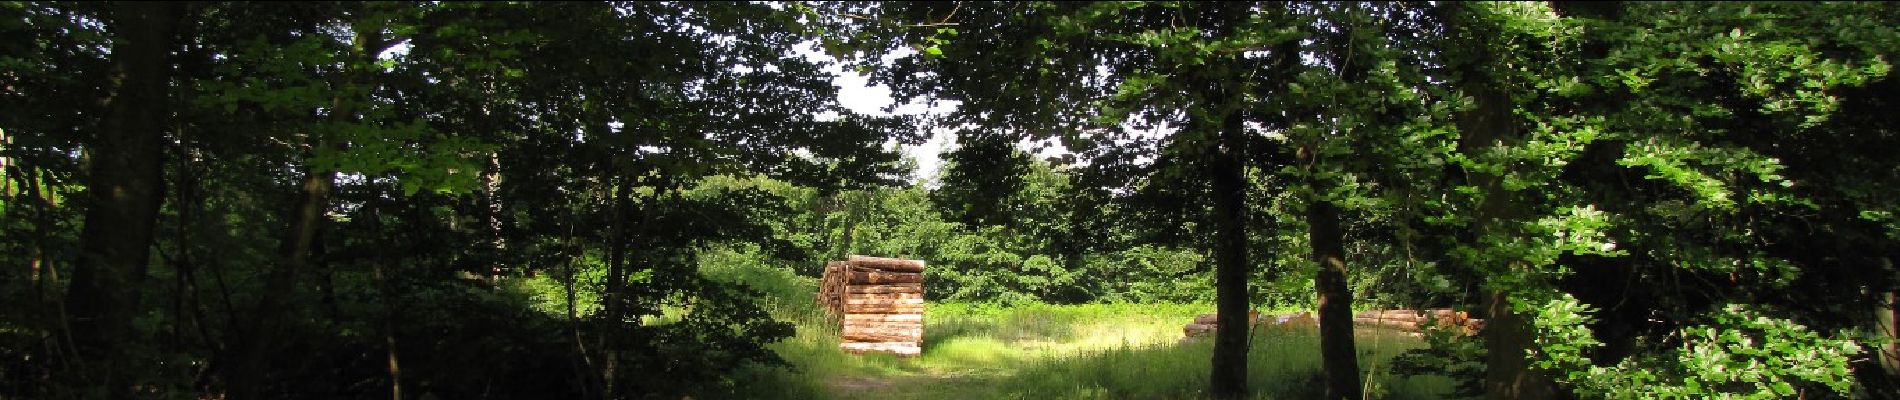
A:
1416, 320
1403, 320
879, 303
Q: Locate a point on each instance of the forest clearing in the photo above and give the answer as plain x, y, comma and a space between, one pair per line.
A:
606, 200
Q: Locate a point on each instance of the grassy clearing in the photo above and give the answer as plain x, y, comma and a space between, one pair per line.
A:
1096, 351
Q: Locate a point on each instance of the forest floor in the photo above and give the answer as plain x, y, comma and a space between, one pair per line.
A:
1066, 352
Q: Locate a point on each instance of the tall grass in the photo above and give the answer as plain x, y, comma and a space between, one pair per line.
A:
1094, 351
1283, 364
1039, 351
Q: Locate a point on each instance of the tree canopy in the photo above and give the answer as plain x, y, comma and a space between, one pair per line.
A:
620, 199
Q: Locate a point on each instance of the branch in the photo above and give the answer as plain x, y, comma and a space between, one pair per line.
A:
918, 25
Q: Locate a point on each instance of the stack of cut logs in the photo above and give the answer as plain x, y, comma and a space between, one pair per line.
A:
1404, 320
880, 302
1409, 320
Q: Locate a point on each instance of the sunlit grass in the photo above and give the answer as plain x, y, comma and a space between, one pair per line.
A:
1060, 352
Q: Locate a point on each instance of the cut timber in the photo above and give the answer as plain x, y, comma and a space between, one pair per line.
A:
1214, 318
885, 308
883, 333
881, 302
911, 332
877, 325
891, 288
887, 264
887, 296
902, 349
1197, 329
899, 333
890, 337
874, 278
867, 318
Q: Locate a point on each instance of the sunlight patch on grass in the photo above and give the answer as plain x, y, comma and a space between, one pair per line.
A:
1120, 351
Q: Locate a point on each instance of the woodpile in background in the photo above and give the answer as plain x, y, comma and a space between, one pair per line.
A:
1412, 320
879, 303
1403, 320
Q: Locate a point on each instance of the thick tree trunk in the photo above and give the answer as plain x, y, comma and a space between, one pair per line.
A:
125, 181
1490, 123
1507, 338
1229, 376
1338, 357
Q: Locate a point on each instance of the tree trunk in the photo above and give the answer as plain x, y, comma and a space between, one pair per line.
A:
590, 386
249, 376
616, 279
1490, 123
125, 181
386, 294
1884, 315
1229, 376
1507, 336
1338, 357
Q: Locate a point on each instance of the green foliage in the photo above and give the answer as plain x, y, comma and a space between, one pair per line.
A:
1448, 353
1690, 199
1736, 353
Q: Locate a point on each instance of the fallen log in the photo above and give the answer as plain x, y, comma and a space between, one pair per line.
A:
1192, 330
1214, 318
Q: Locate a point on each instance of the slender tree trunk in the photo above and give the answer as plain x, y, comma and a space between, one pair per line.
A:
616, 280
590, 386
1337, 354
853, 212
42, 209
125, 181
1885, 317
386, 294
248, 377
1229, 376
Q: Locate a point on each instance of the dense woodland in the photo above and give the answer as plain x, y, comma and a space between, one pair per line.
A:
607, 200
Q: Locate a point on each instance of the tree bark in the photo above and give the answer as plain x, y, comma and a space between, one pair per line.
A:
249, 376
1229, 376
124, 184
1490, 123
1884, 316
1338, 356
616, 280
